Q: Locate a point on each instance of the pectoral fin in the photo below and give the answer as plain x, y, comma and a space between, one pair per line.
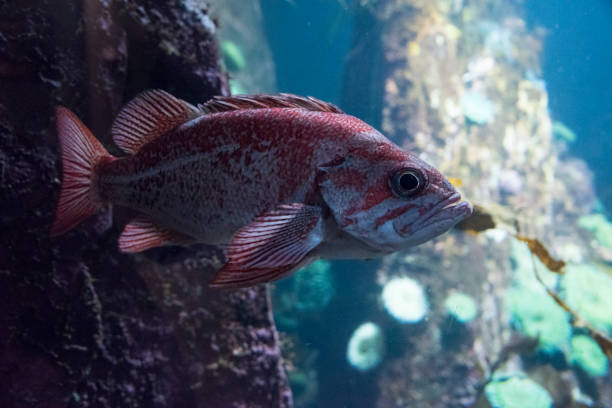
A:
142, 234
272, 246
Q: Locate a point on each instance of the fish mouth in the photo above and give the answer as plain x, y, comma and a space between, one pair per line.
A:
442, 216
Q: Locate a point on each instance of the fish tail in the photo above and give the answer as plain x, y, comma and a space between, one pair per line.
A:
81, 153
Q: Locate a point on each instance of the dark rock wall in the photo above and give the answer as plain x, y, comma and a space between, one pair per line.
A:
81, 324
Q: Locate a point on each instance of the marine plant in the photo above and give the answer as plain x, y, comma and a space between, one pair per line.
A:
405, 300
587, 289
586, 354
517, 392
460, 306
313, 287
366, 347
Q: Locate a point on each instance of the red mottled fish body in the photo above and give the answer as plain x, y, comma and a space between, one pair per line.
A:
217, 172
278, 181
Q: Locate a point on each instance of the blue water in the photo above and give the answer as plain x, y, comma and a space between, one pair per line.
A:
576, 63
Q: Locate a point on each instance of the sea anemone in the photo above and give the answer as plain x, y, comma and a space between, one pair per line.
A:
313, 287
405, 300
531, 310
461, 307
599, 226
587, 291
477, 108
536, 314
366, 347
517, 392
586, 354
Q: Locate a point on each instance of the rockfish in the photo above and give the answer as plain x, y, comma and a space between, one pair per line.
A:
277, 181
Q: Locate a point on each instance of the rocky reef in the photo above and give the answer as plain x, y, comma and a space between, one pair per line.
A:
462, 89
83, 325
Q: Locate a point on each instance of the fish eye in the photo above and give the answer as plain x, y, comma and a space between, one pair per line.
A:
407, 182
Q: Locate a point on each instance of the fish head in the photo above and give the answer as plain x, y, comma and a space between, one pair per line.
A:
388, 198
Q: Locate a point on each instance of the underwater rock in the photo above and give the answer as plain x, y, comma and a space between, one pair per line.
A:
366, 347
404, 299
586, 354
517, 392
84, 325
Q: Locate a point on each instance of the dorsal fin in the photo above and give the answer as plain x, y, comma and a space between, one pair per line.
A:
283, 100
148, 116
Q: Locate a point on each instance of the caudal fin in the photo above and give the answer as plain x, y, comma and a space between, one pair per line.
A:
81, 152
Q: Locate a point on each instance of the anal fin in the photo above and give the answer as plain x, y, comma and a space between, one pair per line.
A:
272, 246
142, 234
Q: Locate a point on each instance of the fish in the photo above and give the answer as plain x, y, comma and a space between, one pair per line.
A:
276, 181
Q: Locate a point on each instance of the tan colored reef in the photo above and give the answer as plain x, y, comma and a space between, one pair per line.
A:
463, 88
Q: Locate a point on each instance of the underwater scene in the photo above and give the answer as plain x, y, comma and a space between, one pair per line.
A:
306, 203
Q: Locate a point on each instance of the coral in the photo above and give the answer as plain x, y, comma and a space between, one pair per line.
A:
587, 290
405, 300
536, 315
599, 226
586, 354
313, 287
461, 306
477, 108
232, 56
517, 392
366, 347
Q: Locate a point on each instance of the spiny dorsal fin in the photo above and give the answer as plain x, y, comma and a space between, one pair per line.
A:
148, 116
283, 100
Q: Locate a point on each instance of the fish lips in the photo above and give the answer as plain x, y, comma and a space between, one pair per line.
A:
439, 219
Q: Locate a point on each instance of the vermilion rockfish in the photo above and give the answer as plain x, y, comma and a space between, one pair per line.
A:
276, 180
